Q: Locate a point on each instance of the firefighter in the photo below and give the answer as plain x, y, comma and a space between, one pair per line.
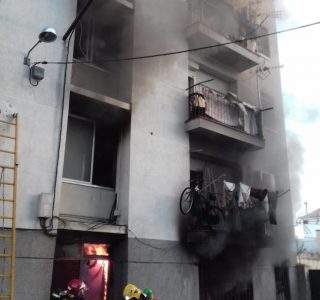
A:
131, 292
148, 294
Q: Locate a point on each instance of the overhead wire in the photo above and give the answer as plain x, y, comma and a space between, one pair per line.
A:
237, 41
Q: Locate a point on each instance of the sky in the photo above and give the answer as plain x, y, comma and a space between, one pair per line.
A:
300, 54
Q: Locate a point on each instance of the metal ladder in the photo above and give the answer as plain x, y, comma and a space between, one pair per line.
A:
8, 179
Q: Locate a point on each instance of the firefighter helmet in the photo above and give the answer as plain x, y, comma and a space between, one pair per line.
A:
131, 292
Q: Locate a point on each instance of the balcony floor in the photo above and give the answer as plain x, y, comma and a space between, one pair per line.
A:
219, 133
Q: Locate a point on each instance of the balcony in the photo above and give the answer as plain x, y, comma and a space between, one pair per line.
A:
217, 22
224, 120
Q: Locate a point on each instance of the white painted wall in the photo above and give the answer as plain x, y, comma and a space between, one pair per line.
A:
159, 157
38, 107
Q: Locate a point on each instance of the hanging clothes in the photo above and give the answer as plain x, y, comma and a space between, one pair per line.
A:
228, 193
244, 200
231, 196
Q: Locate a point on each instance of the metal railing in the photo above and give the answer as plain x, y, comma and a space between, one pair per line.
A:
232, 24
217, 107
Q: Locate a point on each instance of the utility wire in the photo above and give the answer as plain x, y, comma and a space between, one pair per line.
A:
180, 51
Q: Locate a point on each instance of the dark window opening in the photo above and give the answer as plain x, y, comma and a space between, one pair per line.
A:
215, 284
104, 32
92, 142
282, 283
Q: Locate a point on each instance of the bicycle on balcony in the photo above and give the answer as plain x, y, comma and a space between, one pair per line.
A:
196, 200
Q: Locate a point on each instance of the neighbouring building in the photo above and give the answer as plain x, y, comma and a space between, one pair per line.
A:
106, 145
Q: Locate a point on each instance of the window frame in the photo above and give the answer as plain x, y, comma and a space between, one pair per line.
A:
83, 182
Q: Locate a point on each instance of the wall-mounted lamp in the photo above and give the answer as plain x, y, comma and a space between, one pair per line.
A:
47, 35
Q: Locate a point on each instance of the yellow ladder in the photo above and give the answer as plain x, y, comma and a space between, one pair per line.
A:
8, 180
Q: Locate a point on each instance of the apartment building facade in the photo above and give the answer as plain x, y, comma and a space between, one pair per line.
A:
107, 144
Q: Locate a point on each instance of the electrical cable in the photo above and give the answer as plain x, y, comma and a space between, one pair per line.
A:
182, 51
30, 76
150, 245
49, 228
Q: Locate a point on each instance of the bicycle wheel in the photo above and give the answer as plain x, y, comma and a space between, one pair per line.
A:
186, 200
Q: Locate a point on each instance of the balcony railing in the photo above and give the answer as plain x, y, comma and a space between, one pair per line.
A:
234, 25
217, 107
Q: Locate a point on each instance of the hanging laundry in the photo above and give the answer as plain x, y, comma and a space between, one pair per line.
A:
244, 200
266, 204
228, 192
259, 194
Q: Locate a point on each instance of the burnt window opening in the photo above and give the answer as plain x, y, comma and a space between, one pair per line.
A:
281, 275
93, 133
104, 33
98, 267
191, 84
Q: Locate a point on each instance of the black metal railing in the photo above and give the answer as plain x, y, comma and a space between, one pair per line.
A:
205, 102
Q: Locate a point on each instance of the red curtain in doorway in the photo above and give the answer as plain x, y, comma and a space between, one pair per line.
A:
97, 279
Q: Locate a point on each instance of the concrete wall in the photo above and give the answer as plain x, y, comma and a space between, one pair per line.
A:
81, 200
34, 261
273, 159
159, 156
263, 284
38, 107
123, 175
39, 110
165, 267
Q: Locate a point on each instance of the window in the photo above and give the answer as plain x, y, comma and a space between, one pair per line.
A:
102, 32
79, 149
91, 143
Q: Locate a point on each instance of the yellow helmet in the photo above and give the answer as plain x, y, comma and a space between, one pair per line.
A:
131, 291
